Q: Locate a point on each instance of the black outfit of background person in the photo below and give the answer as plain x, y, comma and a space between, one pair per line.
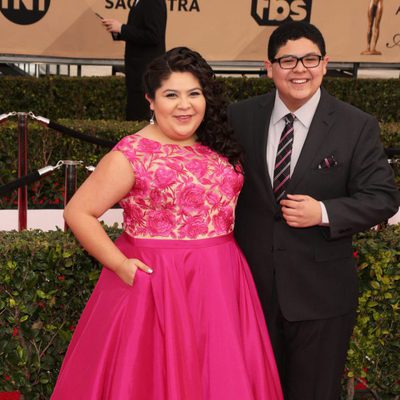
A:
144, 34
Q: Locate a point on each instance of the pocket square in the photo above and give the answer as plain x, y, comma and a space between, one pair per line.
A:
328, 162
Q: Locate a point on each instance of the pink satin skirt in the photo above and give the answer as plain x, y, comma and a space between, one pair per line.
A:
192, 330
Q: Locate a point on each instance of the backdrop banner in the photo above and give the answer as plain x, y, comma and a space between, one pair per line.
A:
221, 30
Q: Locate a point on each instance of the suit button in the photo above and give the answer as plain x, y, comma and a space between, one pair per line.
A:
278, 217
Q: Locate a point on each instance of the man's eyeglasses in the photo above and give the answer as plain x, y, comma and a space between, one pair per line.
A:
290, 62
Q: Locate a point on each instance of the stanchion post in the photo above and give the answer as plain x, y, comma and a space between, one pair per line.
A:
22, 170
70, 185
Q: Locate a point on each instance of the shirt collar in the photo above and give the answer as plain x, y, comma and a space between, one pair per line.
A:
304, 114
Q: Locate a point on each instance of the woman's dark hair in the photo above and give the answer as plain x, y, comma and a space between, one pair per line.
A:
294, 30
214, 131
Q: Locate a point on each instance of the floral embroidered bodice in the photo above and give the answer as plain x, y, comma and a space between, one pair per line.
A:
180, 192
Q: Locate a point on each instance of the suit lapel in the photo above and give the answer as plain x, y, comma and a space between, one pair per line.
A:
261, 120
317, 134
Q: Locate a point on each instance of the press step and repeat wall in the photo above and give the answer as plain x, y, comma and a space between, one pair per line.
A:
222, 30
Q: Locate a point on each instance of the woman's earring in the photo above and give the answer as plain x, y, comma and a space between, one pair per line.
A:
152, 118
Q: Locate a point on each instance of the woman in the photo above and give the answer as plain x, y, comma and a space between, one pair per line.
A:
175, 314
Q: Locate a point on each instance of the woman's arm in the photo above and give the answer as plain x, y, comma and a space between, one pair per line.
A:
109, 183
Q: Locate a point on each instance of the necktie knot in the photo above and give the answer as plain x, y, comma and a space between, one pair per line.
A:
289, 119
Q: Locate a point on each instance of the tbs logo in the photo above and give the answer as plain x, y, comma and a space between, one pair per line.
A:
275, 12
24, 12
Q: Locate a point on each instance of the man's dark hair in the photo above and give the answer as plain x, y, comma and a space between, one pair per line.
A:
294, 30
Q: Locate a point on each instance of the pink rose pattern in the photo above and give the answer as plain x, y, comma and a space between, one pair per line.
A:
165, 177
180, 192
191, 196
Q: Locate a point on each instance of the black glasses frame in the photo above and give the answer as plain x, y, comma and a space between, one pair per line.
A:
278, 60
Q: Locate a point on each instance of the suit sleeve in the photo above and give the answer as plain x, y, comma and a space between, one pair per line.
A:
152, 32
372, 194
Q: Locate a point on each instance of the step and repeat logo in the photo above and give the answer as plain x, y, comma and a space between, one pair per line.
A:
173, 5
276, 12
24, 12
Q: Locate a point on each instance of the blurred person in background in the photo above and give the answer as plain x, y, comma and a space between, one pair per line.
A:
144, 34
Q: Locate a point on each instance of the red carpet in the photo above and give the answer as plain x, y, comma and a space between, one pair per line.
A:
10, 396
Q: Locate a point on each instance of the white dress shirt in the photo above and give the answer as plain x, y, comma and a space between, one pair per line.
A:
302, 122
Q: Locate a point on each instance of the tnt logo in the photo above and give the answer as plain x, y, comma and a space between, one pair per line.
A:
24, 12
275, 12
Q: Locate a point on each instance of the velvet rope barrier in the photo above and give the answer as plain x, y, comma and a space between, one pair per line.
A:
70, 132
30, 178
392, 151
81, 136
4, 117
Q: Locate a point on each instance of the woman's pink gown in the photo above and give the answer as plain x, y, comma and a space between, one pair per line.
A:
192, 330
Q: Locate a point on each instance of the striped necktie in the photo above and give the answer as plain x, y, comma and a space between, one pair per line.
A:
282, 161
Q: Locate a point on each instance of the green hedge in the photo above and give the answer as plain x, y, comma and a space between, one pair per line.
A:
47, 147
104, 97
75, 98
46, 278
373, 357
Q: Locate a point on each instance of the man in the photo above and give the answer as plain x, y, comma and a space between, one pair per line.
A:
144, 34
315, 173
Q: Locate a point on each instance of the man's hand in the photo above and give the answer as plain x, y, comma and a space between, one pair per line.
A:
301, 211
112, 25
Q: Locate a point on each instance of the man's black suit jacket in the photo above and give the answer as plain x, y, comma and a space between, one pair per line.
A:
144, 34
314, 268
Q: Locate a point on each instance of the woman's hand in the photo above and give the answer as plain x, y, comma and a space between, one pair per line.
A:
127, 270
112, 25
